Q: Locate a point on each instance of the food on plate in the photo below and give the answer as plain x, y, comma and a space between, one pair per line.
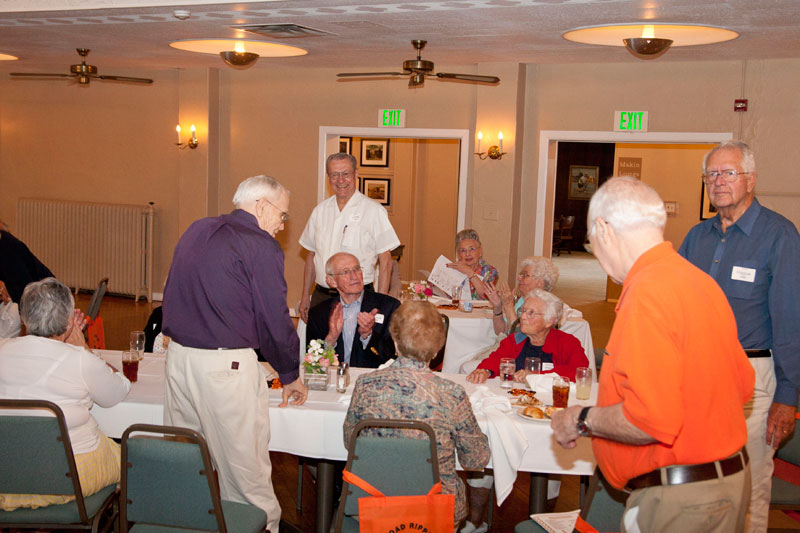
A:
549, 410
524, 397
533, 412
452, 307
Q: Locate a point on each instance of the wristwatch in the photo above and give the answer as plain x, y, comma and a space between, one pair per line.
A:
583, 427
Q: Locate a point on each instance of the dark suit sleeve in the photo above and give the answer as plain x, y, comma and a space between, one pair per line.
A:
380, 347
317, 327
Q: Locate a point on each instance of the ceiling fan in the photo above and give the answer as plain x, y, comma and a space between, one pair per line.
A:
418, 68
83, 72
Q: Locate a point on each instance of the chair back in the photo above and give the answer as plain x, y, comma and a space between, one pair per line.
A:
94, 304
604, 505
36, 453
167, 481
790, 449
438, 359
389, 459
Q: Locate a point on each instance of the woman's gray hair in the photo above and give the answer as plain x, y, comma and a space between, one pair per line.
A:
553, 304
253, 189
748, 156
541, 268
465, 234
46, 307
626, 203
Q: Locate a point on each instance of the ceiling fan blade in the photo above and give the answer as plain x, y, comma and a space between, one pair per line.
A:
468, 77
41, 74
361, 74
123, 78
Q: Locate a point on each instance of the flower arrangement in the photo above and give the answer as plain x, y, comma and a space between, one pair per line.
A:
319, 356
421, 290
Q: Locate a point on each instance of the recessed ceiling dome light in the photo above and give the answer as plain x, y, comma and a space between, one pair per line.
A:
238, 53
648, 41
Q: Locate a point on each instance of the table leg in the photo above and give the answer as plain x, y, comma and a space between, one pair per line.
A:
325, 472
538, 493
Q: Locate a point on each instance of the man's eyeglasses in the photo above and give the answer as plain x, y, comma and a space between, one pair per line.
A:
529, 313
341, 175
284, 214
350, 271
729, 175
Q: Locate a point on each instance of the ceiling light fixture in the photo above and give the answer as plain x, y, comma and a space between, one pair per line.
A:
649, 41
7, 57
238, 53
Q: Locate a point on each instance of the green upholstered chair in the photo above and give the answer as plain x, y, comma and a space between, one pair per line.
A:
36, 458
169, 483
602, 508
786, 495
394, 465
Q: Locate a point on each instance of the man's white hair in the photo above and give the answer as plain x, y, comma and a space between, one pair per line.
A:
748, 156
626, 203
255, 188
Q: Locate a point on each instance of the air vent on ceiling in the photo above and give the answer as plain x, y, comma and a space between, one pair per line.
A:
282, 31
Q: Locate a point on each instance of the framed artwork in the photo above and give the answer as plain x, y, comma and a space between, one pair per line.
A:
706, 209
582, 182
346, 145
379, 189
374, 152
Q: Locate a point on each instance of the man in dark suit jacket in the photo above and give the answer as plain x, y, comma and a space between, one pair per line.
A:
360, 332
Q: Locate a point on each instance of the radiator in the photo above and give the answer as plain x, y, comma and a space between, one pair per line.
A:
82, 243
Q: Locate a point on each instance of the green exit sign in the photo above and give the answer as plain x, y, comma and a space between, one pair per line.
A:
391, 118
630, 121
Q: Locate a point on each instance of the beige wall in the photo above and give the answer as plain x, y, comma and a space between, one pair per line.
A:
115, 143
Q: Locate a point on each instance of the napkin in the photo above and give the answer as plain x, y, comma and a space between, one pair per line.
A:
387, 363
507, 442
541, 383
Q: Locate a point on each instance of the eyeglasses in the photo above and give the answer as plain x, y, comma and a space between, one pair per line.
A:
284, 214
350, 272
465, 250
729, 175
341, 175
528, 313
525, 275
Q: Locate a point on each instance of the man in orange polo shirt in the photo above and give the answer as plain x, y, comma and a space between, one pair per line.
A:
669, 423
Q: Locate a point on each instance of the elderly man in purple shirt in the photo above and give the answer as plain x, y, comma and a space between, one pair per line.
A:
225, 296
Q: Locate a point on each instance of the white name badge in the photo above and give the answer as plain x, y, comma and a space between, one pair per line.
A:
355, 217
379, 318
743, 274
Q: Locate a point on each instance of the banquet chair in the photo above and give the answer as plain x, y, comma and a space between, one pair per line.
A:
602, 507
562, 239
170, 483
786, 495
97, 298
36, 458
412, 470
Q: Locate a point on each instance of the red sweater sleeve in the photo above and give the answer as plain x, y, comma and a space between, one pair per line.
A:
508, 348
568, 354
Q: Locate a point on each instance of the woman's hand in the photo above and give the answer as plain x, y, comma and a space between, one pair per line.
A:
520, 375
506, 296
479, 375
494, 297
461, 267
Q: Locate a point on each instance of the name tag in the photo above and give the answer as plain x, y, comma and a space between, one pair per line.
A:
743, 274
355, 217
379, 318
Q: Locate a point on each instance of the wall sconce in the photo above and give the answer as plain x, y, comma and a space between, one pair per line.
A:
191, 143
495, 151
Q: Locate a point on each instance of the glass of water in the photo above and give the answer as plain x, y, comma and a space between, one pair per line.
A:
137, 342
507, 368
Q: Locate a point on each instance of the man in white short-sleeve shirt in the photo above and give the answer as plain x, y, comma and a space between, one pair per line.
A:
348, 222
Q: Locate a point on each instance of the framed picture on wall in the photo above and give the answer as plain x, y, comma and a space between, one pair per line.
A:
346, 145
706, 209
582, 181
374, 152
379, 189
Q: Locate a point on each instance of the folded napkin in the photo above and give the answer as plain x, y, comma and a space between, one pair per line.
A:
387, 363
507, 442
541, 383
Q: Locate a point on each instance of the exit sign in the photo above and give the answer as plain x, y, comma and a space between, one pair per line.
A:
630, 120
391, 118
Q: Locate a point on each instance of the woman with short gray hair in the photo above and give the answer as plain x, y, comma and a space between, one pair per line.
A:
52, 363
481, 276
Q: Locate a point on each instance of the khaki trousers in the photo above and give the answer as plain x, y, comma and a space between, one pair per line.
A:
223, 395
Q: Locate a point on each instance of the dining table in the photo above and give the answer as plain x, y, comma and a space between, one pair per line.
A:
315, 429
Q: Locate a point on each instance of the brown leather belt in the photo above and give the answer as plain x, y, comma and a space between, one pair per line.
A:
758, 353
680, 474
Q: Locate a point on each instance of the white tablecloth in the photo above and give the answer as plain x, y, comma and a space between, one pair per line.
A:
315, 428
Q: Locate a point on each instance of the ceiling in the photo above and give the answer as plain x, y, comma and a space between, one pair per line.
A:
134, 34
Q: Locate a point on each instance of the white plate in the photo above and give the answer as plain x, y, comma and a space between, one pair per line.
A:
530, 419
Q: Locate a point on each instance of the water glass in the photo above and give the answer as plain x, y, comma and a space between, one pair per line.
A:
533, 365
583, 383
137, 342
508, 366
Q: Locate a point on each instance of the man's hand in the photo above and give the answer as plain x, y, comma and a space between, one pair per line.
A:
780, 423
366, 321
564, 424
294, 393
479, 375
335, 324
303, 307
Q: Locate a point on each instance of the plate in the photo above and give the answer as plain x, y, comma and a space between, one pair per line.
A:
531, 419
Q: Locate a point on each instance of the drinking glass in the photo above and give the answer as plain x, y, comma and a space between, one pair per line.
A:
583, 383
137, 342
507, 368
560, 392
533, 365
130, 365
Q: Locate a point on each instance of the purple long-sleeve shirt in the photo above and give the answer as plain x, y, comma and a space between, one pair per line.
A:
226, 290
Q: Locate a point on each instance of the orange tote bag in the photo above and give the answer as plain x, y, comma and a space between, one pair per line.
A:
431, 513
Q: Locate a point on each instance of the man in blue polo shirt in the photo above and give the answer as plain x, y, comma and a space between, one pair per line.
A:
754, 255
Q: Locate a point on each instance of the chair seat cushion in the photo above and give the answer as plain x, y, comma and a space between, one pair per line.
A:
529, 526
66, 513
239, 518
784, 493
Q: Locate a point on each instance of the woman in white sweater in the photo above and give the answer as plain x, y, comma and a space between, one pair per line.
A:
53, 363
